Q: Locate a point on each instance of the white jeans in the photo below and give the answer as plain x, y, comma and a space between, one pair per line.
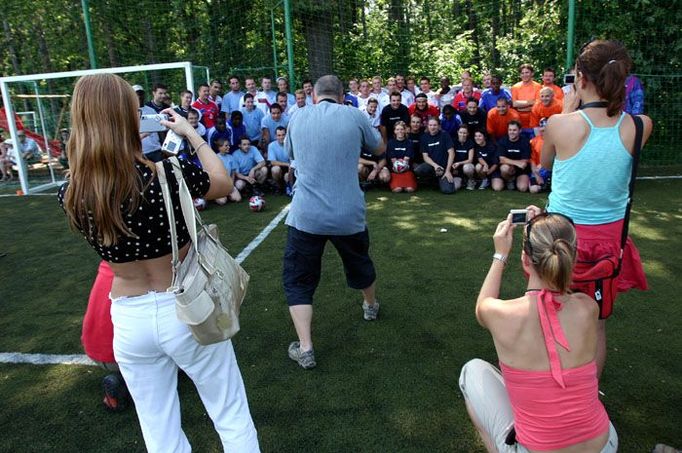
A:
483, 388
149, 345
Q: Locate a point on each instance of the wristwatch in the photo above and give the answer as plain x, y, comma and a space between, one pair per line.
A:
500, 257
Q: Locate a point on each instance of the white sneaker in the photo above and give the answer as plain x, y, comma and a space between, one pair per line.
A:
471, 184
370, 312
484, 184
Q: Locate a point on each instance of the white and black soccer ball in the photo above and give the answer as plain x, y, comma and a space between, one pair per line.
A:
256, 203
200, 204
400, 166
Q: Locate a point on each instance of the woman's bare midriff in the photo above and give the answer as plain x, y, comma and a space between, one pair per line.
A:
589, 446
139, 277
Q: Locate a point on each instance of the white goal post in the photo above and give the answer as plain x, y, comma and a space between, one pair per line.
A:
9, 108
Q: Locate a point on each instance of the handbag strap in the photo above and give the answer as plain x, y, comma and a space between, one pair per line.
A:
168, 203
637, 150
189, 211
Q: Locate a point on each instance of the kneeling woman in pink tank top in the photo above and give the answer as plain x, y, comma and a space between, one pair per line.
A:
545, 398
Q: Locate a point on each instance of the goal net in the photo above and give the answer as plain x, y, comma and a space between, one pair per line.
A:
35, 115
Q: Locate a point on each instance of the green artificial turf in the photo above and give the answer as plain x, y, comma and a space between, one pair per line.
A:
382, 386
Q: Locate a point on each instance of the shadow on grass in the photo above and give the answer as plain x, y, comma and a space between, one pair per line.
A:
389, 385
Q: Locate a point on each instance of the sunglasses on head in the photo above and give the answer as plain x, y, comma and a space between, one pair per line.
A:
529, 225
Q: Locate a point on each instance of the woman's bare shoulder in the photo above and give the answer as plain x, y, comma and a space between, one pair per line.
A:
584, 304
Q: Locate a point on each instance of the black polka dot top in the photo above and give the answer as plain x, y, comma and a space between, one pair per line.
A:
150, 221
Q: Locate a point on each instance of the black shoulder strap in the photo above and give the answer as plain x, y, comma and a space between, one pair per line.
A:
639, 131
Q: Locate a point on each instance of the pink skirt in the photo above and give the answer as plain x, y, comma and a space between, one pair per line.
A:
404, 180
98, 331
596, 241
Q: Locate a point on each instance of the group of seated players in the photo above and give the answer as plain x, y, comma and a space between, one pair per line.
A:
453, 137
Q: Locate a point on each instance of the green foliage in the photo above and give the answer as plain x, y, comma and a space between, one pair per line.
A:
353, 38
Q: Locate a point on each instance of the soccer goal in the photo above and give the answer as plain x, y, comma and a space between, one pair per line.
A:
48, 97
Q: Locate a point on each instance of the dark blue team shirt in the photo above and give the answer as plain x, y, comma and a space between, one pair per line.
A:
462, 150
475, 122
488, 153
368, 155
518, 150
399, 149
436, 146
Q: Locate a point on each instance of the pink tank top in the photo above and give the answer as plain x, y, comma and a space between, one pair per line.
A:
557, 408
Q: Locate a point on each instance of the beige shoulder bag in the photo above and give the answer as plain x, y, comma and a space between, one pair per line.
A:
209, 285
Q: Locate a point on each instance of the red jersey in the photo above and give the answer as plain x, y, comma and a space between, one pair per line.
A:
460, 100
209, 112
425, 114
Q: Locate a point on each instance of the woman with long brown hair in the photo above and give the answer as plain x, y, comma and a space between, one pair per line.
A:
589, 149
113, 197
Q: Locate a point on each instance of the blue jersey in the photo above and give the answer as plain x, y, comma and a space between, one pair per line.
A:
276, 152
252, 122
245, 161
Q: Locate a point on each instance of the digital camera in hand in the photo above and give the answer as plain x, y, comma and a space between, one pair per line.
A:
172, 143
519, 216
152, 123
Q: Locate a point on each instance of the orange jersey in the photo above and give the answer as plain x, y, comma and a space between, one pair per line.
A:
536, 149
558, 93
497, 124
540, 111
525, 92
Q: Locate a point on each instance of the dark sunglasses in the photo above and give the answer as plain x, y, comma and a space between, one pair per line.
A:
528, 247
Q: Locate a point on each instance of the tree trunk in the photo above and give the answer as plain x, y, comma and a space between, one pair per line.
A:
14, 58
364, 19
471, 14
105, 22
396, 19
317, 29
47, 64
149, 40
496, 13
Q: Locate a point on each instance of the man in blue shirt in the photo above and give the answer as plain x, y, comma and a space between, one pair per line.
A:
231, 99
270, 123
278, 158
220, 130
490, 96
252, 119
250, 167
328, 205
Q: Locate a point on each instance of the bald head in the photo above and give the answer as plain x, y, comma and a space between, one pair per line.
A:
330, 87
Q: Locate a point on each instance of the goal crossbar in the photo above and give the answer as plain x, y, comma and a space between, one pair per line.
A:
9, 110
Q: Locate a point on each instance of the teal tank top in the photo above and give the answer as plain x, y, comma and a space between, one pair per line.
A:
591, 187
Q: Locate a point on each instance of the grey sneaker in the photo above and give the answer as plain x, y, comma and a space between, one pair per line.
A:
471, 184
484, 184
370, 311
306, 359
511, 185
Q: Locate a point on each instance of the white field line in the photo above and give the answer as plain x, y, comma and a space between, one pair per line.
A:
82, 359
262, 235
7, 195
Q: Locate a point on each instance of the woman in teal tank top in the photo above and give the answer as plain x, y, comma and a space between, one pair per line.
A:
589, 148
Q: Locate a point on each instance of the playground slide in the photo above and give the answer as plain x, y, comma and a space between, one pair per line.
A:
53, 144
